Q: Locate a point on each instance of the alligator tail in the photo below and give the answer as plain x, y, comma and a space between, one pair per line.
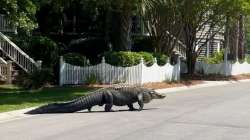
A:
78, 104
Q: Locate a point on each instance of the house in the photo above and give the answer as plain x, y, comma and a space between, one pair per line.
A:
214, 44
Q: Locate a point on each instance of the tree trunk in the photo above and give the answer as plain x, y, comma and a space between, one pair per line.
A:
241, 52
234, 40
121, 30
190, 36
126, 26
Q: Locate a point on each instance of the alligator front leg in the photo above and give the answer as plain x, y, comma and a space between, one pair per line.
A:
131, 107
89, 109
140, 102
109, 102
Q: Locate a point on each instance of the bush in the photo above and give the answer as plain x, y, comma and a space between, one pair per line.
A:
161, 58
35, 80
216, 58
127, 59
124, 59
148, 58
43, 48
248, 59
142, 43
91, 47
76, 59
91, 79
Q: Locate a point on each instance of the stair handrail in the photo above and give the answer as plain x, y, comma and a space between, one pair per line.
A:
4, 37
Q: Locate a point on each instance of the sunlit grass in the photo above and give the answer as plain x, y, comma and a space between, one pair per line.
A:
13, 98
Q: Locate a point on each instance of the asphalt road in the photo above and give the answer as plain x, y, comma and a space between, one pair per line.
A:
215, 113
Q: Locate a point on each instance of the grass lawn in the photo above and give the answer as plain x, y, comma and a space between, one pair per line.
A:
13, 98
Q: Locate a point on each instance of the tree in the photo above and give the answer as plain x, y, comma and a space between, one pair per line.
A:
212, 13
58, 7
236, 28
201, 20
21, 13
122, 12
163, 22
247, 28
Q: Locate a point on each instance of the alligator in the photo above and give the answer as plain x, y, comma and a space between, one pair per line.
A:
107, 96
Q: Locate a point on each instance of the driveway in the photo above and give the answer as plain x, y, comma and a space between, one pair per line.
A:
214, 113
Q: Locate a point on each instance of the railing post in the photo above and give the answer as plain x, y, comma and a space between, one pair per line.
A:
9, 72
39, 64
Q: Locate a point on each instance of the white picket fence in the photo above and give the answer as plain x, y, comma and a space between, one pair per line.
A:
226, 69
108, 74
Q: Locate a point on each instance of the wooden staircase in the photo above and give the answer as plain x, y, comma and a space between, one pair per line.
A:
12, 52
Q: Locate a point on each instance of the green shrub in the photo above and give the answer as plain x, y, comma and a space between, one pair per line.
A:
91, 79
76, 59
142, 43
35, 80
216, 58
127, 59
148, 58
92, 48
124, 59
43, 48
248, 59
161, 58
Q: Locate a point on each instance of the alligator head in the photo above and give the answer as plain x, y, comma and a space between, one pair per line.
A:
150, 94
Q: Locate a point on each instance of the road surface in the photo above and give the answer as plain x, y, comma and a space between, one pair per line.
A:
214, 113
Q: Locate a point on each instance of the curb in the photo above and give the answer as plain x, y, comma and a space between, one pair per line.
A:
14, 115
19, 114
203, 85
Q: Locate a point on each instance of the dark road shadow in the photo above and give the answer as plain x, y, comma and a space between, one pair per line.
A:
116, 111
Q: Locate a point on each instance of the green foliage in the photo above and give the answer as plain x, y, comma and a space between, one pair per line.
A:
161, 58
21, 13
142, 43
16, 98
147, 57
76, 59
216, 58
36, 79
125, 59
247, 26
248, 59
45, 49
91, 47
91, 79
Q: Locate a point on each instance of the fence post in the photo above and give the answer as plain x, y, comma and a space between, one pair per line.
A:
39, 64
178, 72
9, 72
141, 71
155, 60
61, 69
103, 71
168, 60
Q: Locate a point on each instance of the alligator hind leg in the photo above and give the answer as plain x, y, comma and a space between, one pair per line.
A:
140, 102
108, 108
